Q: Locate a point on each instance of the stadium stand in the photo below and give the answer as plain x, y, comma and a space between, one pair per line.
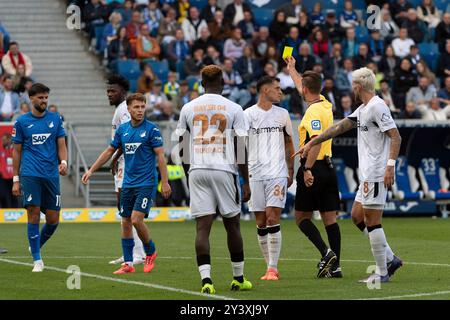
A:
346, 182
406, 186
433, 179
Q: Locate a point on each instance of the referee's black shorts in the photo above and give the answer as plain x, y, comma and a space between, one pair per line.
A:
323, 195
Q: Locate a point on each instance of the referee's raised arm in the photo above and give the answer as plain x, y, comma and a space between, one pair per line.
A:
296, 77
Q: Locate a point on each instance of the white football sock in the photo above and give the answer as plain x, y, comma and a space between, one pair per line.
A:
262, 241
274, 246
238, 268
389, 252
205, 271
378, 245
138, 250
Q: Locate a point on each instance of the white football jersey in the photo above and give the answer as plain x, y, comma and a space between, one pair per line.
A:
373, 120
121, 115
266, 150
213, 121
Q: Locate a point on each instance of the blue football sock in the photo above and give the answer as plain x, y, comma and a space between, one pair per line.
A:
34, 240
149, 248
46, 232
127, 247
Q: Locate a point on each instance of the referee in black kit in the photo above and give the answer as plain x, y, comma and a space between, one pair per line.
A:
317, 187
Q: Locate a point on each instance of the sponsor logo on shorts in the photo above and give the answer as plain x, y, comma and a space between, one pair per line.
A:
30, 197
40, 138
12, 216
130, 148
97, 215
70, 215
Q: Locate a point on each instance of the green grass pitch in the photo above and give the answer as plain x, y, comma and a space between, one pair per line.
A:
422, 243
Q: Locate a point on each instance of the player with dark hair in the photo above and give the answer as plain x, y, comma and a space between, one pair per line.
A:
208, 128
271, 168
39, 157
141, 143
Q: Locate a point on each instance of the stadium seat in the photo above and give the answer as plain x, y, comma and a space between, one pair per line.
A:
98, 37
433, 179
200, 4
133, 85
191, 80
180, 69
430, 53
441, 4
347, 185
262, 16
406, 184
160, 69
129, 69
362, 34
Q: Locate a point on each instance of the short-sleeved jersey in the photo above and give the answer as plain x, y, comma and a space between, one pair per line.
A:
373, 120
121, 115
140, 159
39, 139
212, 121
266, 148
318, 117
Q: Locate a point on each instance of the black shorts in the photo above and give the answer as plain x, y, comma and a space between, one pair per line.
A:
323, 195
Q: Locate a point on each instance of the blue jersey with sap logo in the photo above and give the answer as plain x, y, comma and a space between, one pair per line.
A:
140, 159
38, 137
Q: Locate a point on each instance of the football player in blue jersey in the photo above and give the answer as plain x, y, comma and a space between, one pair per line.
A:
39, 157
142, 145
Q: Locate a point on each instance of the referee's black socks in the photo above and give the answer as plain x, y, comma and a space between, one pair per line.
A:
334, 239
313, 234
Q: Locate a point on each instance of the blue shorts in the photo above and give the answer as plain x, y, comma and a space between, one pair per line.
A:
137, 199
41, 192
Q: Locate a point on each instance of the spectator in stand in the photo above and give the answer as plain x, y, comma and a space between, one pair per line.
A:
434, 112
422, 94
332, 27
317, 17
350, 44
428, 13
146, 46
2, 48
171, 88
168, 27
402, 44
444, 62
183, 9
345, 107
344, 77
234, 12
410, 112
385, 94
442, 33
95, 15
152, 17
293, 40
349, 19
192, 26
404, 80
378, 75
127, 11
304, 25
22, 90
153, 98
417, 29
331, 93
195, 64
305, 60
389, 63
234, 47
248, 66
24, 108
183, 95
209, 11
9, 100
219, 31
253, 96
13, 58
177, 50
204, 41
167, 112
376, 46
119, 49
234, 88
262, 42
212, 56
4, 42
389, 29
6, 173
399, 11
414, 56
248, 26
269, 70
320, 44
133, 30
291, 11
271, 57
333, 62
145, 81
110, 31
20, 74
444, 94
278, 27
422, 70
362, 58
166, 5
286, 83
54, 108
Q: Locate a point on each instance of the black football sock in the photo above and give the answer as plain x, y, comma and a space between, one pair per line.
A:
313, 234
334, 239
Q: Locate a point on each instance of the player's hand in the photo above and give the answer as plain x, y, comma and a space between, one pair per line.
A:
290, 62
303, 151
16, 189
246, 191
290, 178
389, 176
113, 167
86, 176
308, 178
63, 169
165, 190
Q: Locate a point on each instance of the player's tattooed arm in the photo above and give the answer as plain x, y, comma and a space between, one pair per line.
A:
335, 130
396, 141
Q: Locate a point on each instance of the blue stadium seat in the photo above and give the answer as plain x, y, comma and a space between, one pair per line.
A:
133, 85
346, 183
180, 69
200, 4
441, 4
160, 69
430, 53
129, 69
362, 34
262, 16
433, 179
402, 187
98, 37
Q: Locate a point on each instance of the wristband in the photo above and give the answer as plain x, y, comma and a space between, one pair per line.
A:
391, 163
16, 179
64, 162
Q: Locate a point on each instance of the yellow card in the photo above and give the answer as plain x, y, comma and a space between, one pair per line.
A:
287, 52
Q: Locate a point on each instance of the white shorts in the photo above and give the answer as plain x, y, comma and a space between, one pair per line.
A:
118, 178
267, 193
372, 195
214, 189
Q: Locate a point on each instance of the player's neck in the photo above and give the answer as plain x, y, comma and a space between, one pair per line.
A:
37, 113
312, 99
136, 123
366, 97
213, 91
264, 104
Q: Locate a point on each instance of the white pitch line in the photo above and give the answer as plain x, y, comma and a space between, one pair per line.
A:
144, 284
416, 295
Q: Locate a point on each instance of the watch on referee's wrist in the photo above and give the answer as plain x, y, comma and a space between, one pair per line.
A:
304, 168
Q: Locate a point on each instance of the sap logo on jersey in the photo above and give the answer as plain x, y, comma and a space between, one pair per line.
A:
130, 148
40, 138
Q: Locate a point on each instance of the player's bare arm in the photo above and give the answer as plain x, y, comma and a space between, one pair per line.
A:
17, 157
289, 150
310, 160
396, 141
296, 77
333, 131
243, 168
101, 160
165, 187
62, 155
183, 142
115, 161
